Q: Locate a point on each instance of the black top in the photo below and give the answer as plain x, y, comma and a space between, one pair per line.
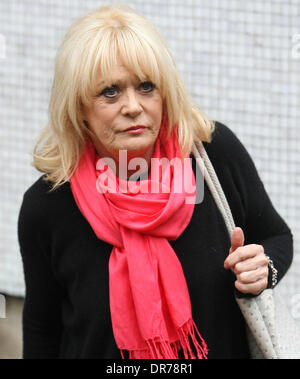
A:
66, 311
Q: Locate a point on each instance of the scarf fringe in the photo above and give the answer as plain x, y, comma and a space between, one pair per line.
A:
160, 349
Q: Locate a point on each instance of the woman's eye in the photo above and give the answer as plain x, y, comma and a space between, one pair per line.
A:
147, 87
110, 92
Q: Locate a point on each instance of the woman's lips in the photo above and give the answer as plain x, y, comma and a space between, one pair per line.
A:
136, 129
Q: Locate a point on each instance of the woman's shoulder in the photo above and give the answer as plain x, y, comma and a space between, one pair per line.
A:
41, 190
223, 136
225, 146
39, 202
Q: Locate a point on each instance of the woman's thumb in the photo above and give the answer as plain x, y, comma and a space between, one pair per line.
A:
237, 239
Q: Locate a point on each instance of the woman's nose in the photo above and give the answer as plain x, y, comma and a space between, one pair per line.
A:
132, 106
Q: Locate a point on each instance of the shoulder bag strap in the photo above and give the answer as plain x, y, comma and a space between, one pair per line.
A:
214, 185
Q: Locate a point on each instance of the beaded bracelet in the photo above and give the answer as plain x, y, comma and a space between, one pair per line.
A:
273, 270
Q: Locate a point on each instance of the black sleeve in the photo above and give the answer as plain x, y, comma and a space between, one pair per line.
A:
261, 223
42, 307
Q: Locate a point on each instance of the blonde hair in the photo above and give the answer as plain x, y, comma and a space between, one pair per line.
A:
92, 45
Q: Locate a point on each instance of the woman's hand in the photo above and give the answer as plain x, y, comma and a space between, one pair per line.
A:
249, 264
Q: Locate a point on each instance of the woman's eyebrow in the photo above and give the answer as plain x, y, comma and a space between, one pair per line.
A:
118, 82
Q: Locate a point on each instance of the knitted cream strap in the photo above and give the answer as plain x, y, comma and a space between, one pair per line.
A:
214, 185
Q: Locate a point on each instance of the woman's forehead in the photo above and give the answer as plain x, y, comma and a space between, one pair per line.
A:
119, 74
115, 67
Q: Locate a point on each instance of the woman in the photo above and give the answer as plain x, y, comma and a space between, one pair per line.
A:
112, 271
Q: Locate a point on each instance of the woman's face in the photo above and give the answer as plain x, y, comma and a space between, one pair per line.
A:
128, 103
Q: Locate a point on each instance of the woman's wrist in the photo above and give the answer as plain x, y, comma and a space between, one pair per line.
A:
272, 279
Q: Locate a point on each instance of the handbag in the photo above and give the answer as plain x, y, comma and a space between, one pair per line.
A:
271, 330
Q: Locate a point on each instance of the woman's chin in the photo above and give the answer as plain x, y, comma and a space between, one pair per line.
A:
138, 146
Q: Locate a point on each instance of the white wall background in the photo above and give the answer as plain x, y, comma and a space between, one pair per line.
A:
239, 59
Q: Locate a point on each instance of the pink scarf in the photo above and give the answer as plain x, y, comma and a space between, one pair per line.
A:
149, 300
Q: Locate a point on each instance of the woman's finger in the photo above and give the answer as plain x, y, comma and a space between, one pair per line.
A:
242, 253
253, 276
253, 288
260, 260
